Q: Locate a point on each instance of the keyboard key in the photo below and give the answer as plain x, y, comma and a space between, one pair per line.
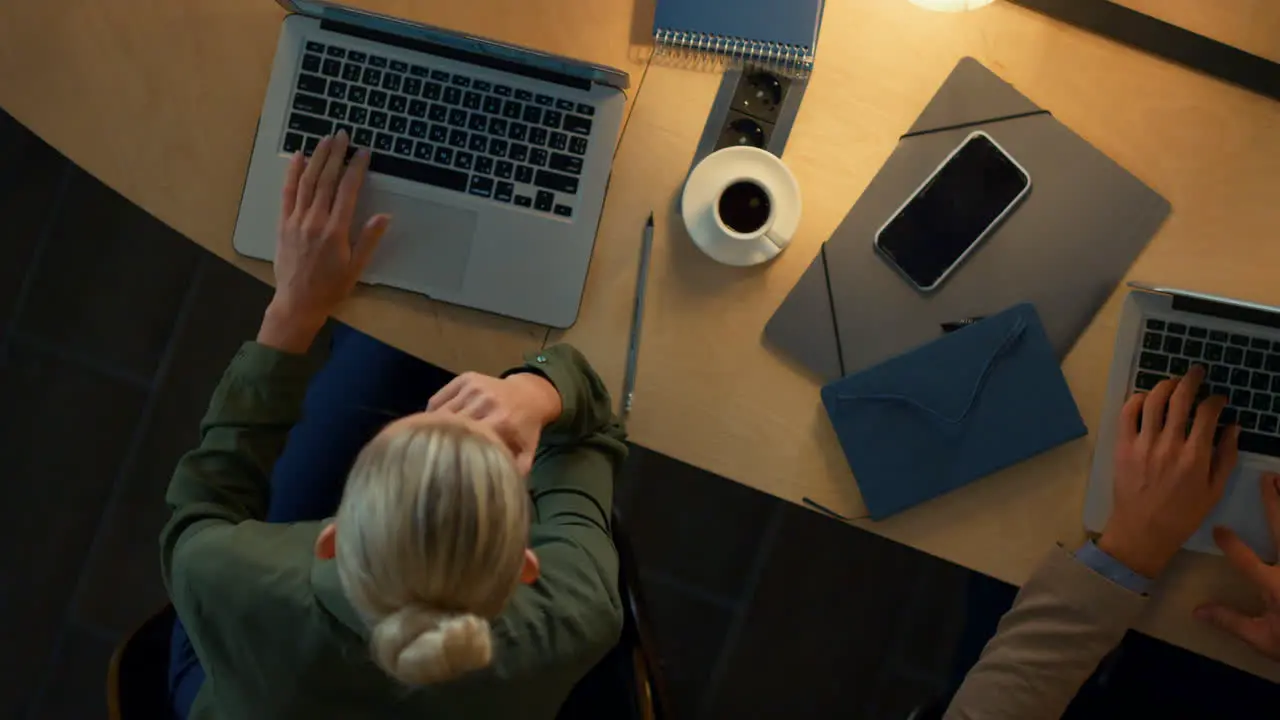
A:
538, 156
497, 147
537, 136
1193, 348
404, 146
377, 61
524, 95
458, 138
431, 91
1197, 332
578, 146
418, 129
1241, 340
558, 141
1154, 324
332, 68
398, 104
315, 47
1177, 329
378, 120
439, 133
471, 100
356, 56
310, 125
1275, 403
566, 163
399, 124
1261, 401
511, 110
1240, 398
444, 155
440, 76
1219, 373
311, 63
478, 122
338, 110
503, 191
1268, 423
1152, 361
399, 66
518, 152
351, 72
505, 168
1221, 391
481, 186
309, 103
1260, 381
524, 174
478, 143
492, 105
566, 105
377, 99
502, 90
1253, 359
383, 141
357, 115
564, 210
518, 131
544, 100
1258, 443
484, 164
422, 151
461, 81
1273, 362
458, 117
524, 201
311, 83
589, 111
498, 127
419, 72
1248, 419
556, 181
363, 137
412, 87
418, 108
1172, 344
532, 114
551, 119
1233, 355
1178, 366
357, 93
438, 113
1240, 377
462, 160
1260, 344
544, 201
292, 142
337, 90
1147, 381
1213, 352
372, 77
482, 85
582, 126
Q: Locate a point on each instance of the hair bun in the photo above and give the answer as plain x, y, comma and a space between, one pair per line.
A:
420, 647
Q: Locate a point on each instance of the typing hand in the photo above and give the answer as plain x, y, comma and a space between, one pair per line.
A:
516, 407
1262, 631
317, 263
1166, 480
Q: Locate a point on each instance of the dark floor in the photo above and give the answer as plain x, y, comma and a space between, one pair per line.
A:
115, 330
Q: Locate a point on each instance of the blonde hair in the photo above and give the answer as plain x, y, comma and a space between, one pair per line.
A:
430, 544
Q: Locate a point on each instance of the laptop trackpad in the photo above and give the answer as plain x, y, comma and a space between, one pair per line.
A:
425, 248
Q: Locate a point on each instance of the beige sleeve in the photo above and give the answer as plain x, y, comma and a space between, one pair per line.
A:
1064, 621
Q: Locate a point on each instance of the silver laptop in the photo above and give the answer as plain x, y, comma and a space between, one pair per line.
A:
1162, 332
493, 159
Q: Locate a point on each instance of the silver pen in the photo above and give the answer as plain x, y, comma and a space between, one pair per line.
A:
633, 348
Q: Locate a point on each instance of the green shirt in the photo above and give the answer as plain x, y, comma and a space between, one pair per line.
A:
269, 621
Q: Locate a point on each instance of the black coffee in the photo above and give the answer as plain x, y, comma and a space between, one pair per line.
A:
744, 207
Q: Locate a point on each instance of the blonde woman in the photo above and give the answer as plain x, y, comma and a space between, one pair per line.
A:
454, 562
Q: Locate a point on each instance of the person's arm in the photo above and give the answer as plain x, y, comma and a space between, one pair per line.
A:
1076, 609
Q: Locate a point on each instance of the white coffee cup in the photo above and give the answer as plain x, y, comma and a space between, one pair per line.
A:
738, 213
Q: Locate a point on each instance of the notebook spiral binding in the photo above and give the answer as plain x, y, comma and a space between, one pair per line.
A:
703, 50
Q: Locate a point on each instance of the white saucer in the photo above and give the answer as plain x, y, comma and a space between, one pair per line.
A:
702, 190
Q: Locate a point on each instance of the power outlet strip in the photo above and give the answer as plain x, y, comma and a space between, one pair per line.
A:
752, 107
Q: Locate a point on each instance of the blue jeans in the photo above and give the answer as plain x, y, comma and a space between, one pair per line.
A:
364, 385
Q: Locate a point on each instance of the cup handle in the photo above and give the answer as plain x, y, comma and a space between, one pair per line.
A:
772, 236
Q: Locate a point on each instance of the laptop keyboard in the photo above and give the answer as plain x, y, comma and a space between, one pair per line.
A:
445, 129
1243, 368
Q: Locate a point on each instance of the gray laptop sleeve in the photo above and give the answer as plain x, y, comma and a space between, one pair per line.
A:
1064, 248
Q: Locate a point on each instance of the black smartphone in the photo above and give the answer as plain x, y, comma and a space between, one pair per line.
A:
958, 205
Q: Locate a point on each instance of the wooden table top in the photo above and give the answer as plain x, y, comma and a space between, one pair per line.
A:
159, 99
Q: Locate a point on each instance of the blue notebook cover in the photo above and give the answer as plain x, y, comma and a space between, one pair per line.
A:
952, 411
791, 23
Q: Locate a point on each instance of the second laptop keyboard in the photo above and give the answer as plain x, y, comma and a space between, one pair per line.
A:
445, 129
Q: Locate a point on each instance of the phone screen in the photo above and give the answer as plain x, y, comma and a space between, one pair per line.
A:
952, 211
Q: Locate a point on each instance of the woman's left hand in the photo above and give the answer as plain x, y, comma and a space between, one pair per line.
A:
317, 262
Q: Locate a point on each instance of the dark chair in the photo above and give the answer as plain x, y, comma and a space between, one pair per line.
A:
625, 685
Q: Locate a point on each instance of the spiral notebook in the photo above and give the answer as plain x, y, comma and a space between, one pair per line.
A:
779, 35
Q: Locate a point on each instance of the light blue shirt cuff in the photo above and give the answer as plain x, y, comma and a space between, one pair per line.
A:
1112, 569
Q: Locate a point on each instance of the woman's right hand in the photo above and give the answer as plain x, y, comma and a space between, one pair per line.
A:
516, 407
1261, 631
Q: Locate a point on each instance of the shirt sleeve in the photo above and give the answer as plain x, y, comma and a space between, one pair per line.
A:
1097, 560
226, 480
